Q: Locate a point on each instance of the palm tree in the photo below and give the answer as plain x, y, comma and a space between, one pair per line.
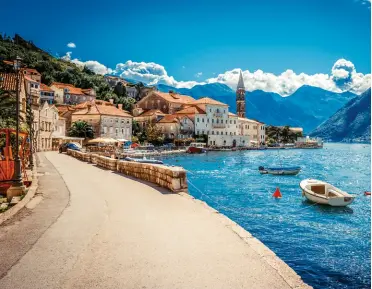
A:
81, 129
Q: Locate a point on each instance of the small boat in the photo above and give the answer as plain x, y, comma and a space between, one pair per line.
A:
144, 161
196, 148
280, 171
323, 193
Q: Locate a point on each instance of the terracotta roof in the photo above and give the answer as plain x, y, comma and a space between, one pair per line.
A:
207, 100
169, 118
8, 81
191, 110
30, 79
64, 108
72, 89
104, 109
31, 70
175, 98
44, 87
152, 112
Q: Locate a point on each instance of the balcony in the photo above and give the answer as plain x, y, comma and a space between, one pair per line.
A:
218, 114
218, 125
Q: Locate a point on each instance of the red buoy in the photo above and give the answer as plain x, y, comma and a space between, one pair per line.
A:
277, 194
367, 193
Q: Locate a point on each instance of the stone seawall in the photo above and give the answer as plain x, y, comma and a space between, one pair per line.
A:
172, 178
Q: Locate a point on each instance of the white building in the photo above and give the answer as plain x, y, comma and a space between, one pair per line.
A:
214, 120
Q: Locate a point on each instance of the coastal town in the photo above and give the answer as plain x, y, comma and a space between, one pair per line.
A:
110, 182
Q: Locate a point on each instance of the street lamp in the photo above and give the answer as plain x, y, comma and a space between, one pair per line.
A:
17, 161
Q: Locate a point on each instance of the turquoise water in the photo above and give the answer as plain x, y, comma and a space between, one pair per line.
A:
328, 247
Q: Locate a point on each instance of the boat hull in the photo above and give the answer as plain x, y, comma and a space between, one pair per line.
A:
195, 150
342, 200
281, 171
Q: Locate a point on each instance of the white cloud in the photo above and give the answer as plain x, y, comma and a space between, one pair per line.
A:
343, 77
71, 45
198, 74
93, 65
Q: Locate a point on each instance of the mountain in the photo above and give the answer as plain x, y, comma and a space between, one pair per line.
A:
307, 107
351, 122
318, 102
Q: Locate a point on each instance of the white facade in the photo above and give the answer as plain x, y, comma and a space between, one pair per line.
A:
221, 127
117, 127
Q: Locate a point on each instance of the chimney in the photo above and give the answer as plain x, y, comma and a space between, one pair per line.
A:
111, 100
120, 106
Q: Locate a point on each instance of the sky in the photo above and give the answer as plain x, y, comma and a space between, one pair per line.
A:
279, 45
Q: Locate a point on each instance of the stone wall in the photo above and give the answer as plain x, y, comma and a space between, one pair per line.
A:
172, 178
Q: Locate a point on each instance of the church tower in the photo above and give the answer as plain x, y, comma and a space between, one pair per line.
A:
240, 97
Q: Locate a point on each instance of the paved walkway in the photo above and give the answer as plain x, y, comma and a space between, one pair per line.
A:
120, 233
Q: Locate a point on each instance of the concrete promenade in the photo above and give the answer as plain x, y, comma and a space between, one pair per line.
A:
116, 232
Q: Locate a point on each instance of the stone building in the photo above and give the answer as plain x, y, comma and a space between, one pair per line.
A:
69, 94
168, 103
106, 119
46, 94
46, 125
174, 126
32, 73
252, 128
149, 116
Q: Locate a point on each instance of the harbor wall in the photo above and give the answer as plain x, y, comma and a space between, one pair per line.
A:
172, 178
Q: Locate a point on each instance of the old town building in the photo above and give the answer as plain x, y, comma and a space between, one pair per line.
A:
176, 126
168, 103
106, 119
69, 94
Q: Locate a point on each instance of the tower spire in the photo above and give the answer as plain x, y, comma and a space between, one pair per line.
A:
241, 81
240, 96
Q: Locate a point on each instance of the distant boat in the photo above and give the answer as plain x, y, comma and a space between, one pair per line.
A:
196, 148
323, 193
280, 170
144, 161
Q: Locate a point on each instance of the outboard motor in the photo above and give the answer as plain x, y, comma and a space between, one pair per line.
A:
261, 168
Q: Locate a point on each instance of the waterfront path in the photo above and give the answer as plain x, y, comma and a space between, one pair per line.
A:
117, 232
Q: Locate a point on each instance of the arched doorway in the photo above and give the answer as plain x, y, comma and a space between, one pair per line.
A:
234, 143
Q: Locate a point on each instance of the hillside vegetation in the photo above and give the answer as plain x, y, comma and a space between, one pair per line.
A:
56, 69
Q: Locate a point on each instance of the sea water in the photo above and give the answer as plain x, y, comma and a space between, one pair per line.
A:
328, 247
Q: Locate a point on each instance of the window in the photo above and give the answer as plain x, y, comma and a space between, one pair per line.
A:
104, 129
217, 120
212, 131
218, 132
122, 131
208, 120
212, 120
116, 131
226, 133
230, 121
122, 121
202, 119
127, 120
197, 119
202, 131
234, 121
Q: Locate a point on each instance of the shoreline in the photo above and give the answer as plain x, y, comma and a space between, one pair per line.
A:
265, 255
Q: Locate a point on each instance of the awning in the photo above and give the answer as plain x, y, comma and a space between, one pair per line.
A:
102, 140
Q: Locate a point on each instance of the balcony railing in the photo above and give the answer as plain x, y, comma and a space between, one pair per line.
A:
218, 114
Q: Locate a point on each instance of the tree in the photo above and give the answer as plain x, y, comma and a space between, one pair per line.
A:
128, 103
285, 132
81, 129
154, 134
7, 111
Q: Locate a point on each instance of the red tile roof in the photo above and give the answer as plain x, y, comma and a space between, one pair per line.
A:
191, 110
31, 70
44, 87
8, 81
207, 100
106, 108
169, 118
72, 89
152, 112
30, 79
175, 98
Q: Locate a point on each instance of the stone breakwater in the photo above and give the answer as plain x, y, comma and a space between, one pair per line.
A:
172, 178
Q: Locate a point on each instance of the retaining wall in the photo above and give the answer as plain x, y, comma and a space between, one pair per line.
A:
172, 178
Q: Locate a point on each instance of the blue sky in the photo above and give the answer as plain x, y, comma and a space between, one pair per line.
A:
205, 37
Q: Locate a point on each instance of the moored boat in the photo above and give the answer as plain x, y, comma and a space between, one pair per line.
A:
280, 170
144, 161
326, 194
196, 148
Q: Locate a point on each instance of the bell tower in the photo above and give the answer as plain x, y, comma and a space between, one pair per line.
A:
240, 97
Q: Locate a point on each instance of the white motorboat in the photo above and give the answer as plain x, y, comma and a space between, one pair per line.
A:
323, 193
